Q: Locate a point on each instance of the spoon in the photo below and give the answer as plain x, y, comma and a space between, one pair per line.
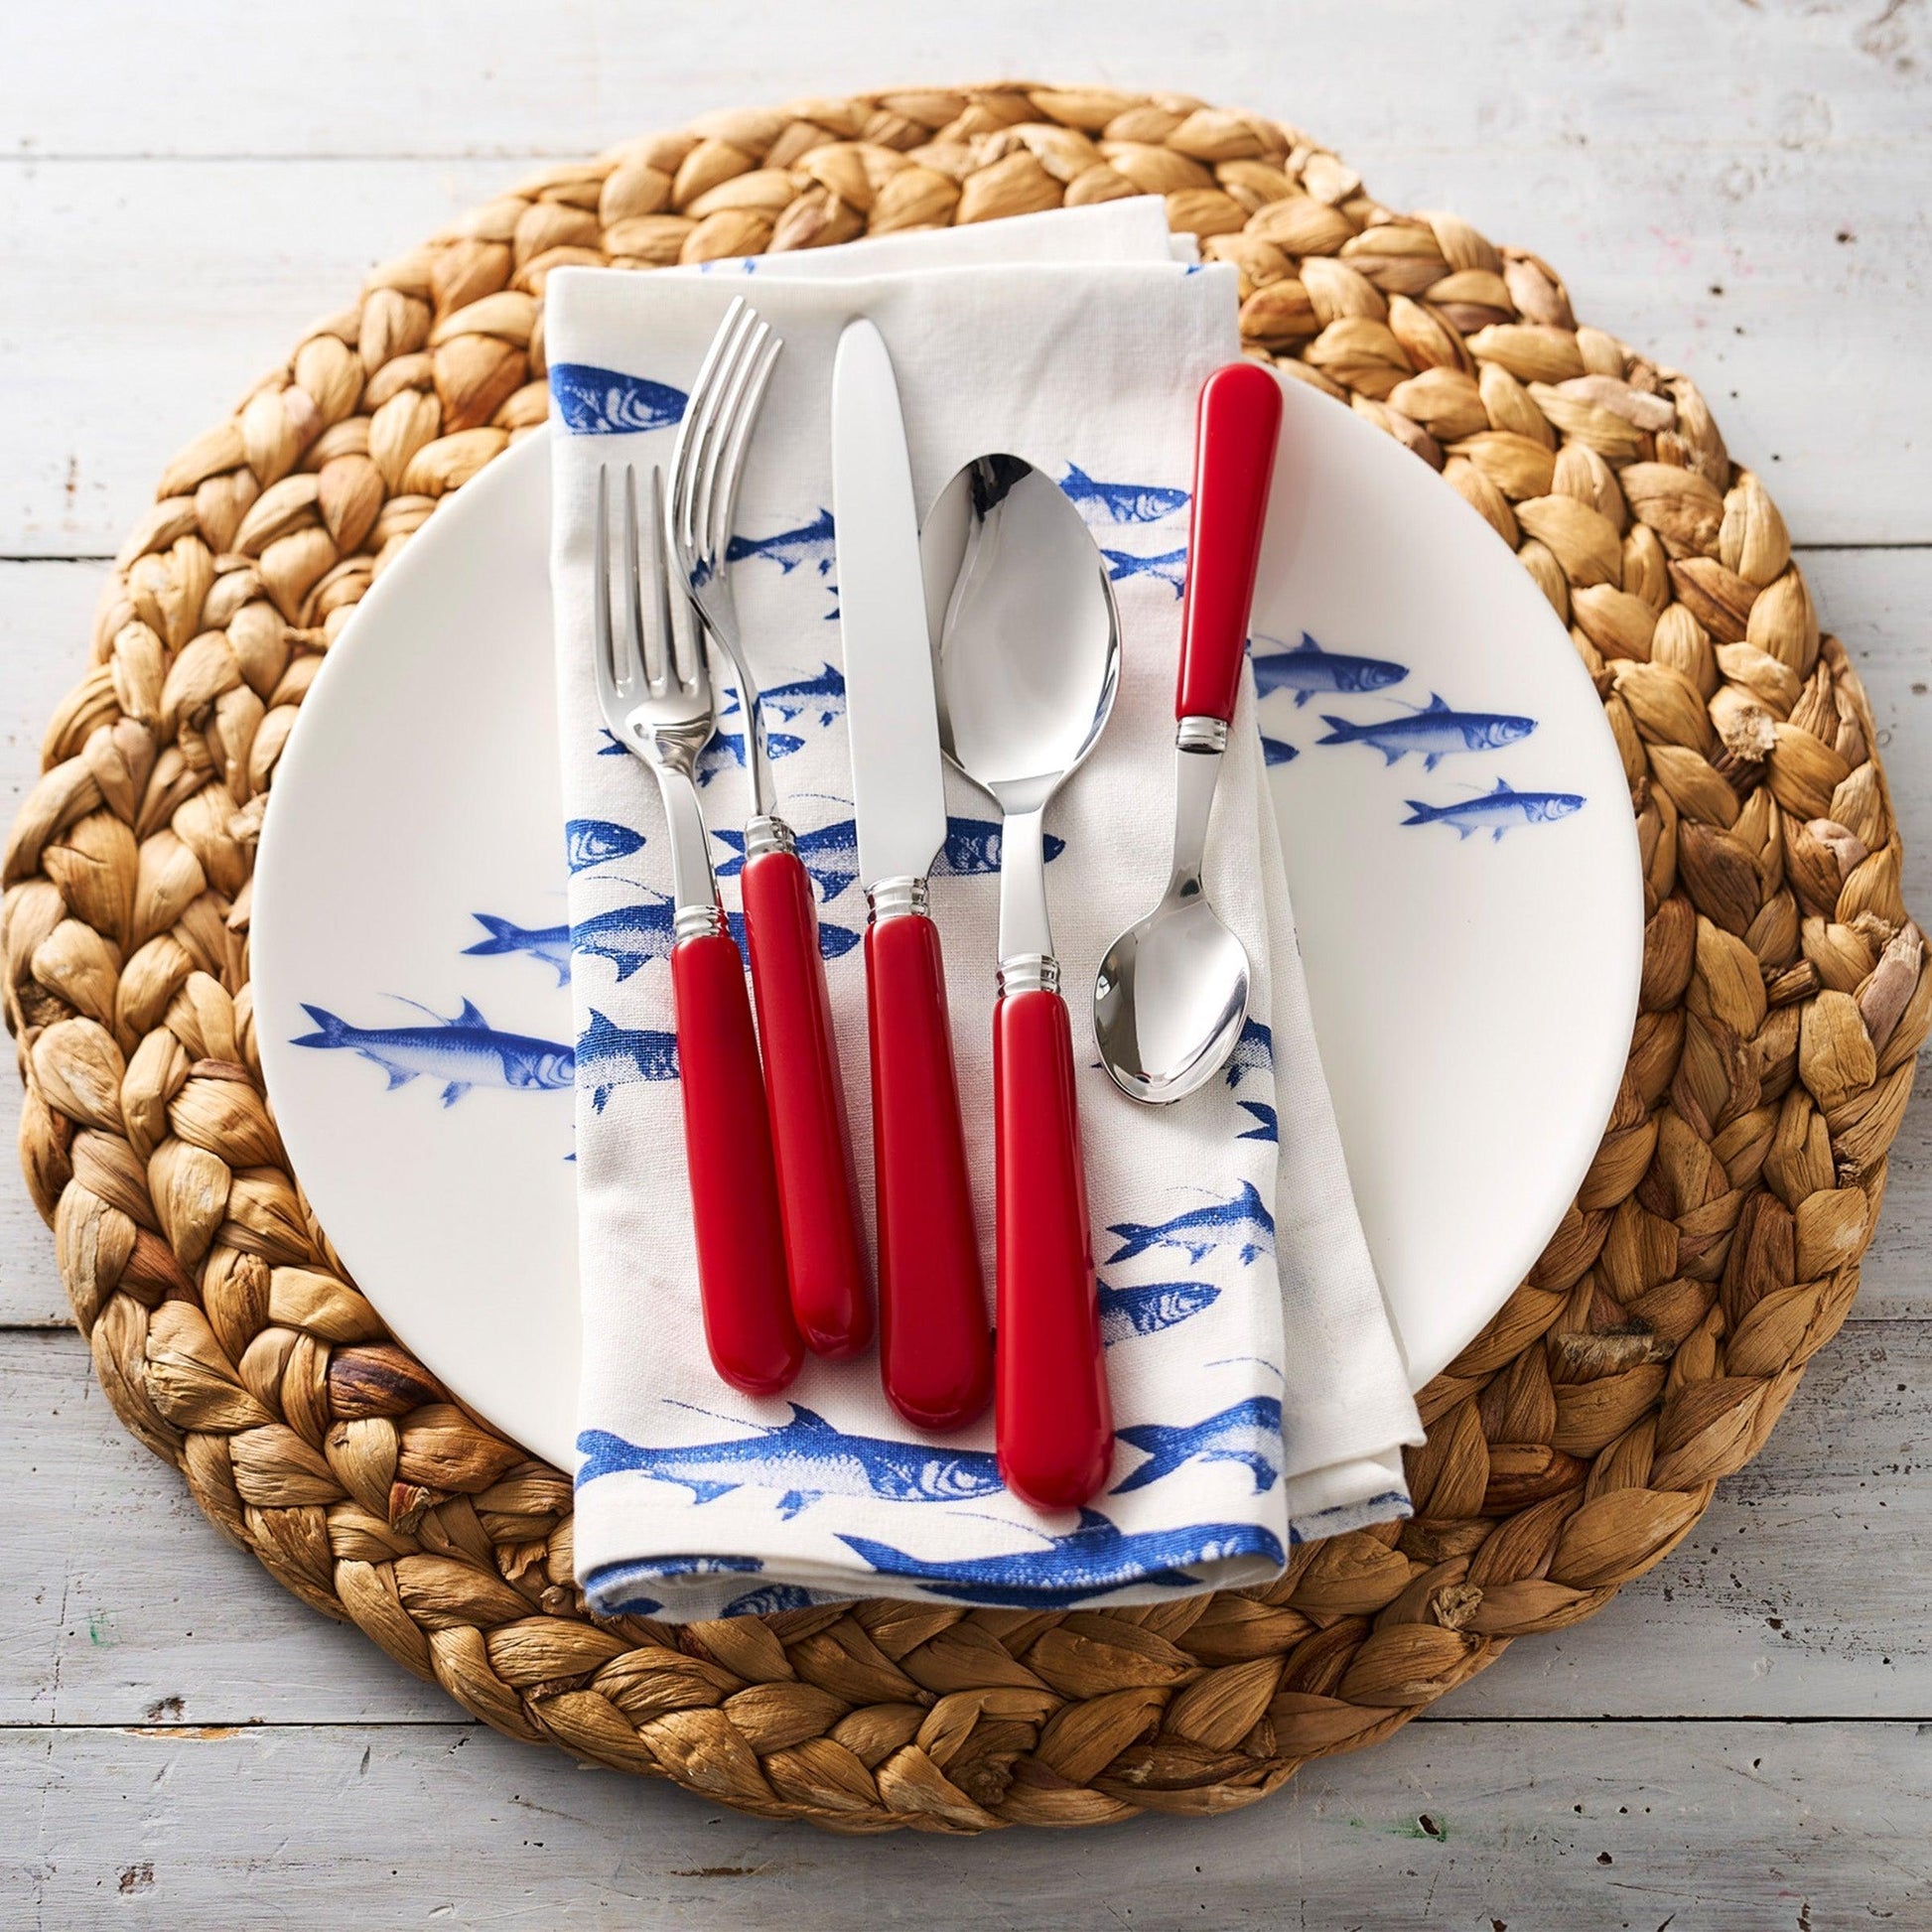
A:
1027, 656
1172, 990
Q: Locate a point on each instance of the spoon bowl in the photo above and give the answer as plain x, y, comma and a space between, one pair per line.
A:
1169, 999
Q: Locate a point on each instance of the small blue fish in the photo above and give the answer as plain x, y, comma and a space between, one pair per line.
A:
821, 697
972, 848
802, 1459
815, 542
1254, 1052
1087, 1562
1497, 811
1307, 668
463, 1053
549, 943
1170, 568
724, 751
606, 402
1105, 503
1129, 1312
769, 1601
1265, 1127
1276, 751
609, 1057
591, 842
1242, 1222
1435, 731
829, 853
1249, 1433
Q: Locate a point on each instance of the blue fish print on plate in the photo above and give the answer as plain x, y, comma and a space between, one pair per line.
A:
1105, 503
972, 848
1241, 1223
829, 853
463, 1053
820, 697
802, 1459
549, 943
1249, 1433
609, 1057
1254, 1052
1497, 811
769, 1601
591, 842
813, 543
1435, 731
1276, 750
1265, 1127
1170, 568
1087, 1562
1307, 668
606, 402
724, 751
1129, 1312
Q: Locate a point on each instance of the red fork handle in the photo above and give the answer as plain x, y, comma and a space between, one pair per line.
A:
747, 1322
1236, 429
1054, 1420
935, 1353
824, 1251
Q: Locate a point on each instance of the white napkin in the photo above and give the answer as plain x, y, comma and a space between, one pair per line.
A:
1255, 1404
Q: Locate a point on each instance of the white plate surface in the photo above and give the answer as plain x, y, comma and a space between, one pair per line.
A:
1473, 952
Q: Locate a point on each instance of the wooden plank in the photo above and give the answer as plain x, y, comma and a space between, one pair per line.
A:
1703, 1827
1800, 1594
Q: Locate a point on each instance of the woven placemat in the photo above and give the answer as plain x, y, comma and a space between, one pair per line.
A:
1712, 1248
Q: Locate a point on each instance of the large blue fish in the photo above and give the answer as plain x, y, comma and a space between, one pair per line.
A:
972, 848
606, 402
1434, 731
463, 1053
820, 697
1307, 668
1087, 1562
1496, 811
609, 1057
1249, 1433
802, 1459
1128, 1312
829, 853
1169, 568
1105, 503
724, 751
814, 543
1254, 1052
1242, 1222
591, 842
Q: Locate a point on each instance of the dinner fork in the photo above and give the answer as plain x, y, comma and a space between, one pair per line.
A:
824, 1249
654, 687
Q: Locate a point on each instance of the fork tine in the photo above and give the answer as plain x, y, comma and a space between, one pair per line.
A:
645, 640
677, 653
609, 693
698, 429
720, 509
724, 421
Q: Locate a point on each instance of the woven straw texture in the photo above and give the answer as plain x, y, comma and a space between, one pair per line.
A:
1712, 1248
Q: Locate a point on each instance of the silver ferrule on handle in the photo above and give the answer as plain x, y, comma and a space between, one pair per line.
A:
1198, 745
896, 899
766, 832
697, 922
1029, 972
1024, 929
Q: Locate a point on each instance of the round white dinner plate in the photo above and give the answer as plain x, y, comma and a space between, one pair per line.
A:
1458, 839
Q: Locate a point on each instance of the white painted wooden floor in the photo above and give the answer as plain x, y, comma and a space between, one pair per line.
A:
1743, 1739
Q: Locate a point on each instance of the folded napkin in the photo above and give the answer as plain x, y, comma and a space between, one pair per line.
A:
1259, 1398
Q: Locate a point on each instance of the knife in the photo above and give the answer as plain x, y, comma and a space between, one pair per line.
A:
934, 1342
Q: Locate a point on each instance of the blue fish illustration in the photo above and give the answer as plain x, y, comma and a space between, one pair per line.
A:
1307, 668
811, 543
1105, 503
1242, 1222
613, 746
830, 853
549, 943
724, 751
1496, 811
1265, 1127
1087, 1562
1276, 750
463, 1053
1250, 1433
1128, 1312
820, 697
609, 1057
589, 842
972, 848
1254, 1052
607, 403
768, 1600
1169, 568
1435, 731
802, 1459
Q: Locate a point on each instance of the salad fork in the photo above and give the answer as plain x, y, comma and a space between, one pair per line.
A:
654, 687
824, 1249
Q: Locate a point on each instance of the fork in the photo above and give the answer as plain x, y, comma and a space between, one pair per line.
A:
824, 1248
654, 687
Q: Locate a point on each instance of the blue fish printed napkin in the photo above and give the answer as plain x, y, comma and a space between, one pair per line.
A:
1260, 1395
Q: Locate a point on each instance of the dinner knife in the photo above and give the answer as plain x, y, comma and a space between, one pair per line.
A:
935, 1342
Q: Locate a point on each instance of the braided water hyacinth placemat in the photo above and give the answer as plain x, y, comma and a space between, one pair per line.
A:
1712, 1248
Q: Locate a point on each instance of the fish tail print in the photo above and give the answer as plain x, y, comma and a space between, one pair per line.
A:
1340, 731
1165, 1448
504, 936
329, 1032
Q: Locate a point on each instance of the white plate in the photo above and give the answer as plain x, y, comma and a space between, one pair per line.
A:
1473, 952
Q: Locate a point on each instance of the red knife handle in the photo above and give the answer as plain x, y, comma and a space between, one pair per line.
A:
824, 1250
1054, 1420
935, 1351
1236, 429
741, 1290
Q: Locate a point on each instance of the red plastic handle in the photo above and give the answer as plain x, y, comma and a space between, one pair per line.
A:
1056, 1423
747, 1322
1235, 431
824, 1250
935, 1350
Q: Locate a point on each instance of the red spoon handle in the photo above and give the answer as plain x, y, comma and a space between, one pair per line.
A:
935, 1353
1054, 1420
1235, 431
824, 1251
741, 1289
